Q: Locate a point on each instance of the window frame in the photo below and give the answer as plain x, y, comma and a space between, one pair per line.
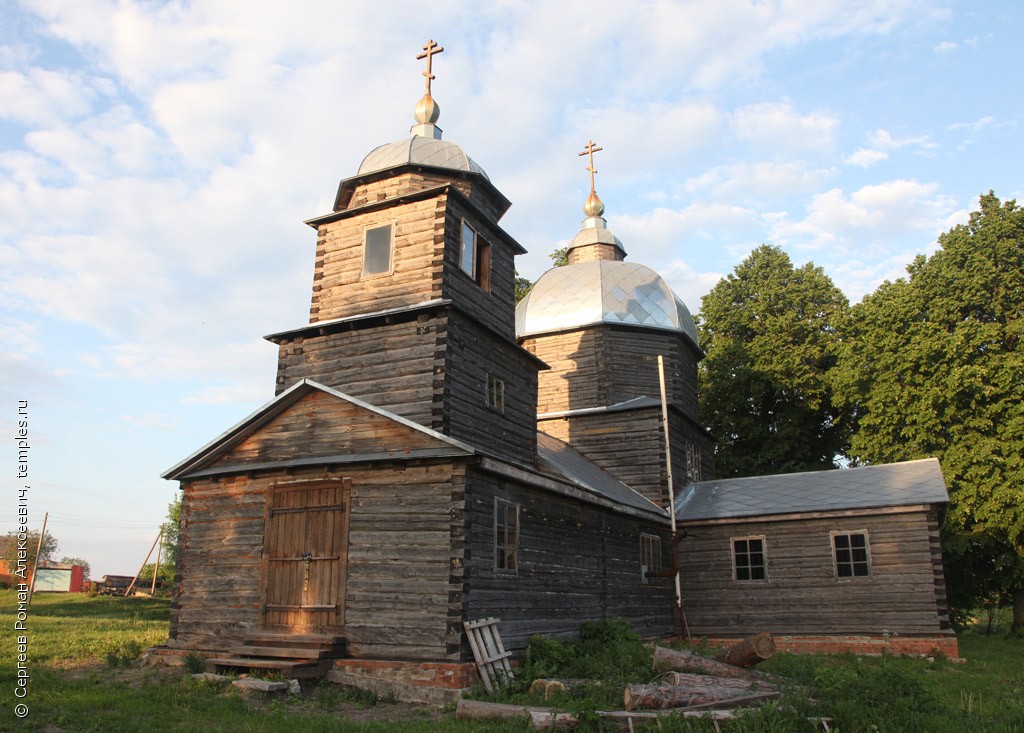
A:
480, 268
650, 547
494, 386
866, 562
462, 248
749, 567
501, 538
390, 225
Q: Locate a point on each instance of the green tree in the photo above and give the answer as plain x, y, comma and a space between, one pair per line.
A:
770, 332
932, 366
9, 549
170, 528
522, 286
560, 257
86, 567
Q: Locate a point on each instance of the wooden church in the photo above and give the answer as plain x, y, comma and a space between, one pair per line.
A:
435, 455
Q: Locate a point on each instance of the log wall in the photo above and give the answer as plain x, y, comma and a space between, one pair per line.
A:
577, 562
630, 445
802, 594
472, 353
403, 594
391, 366
496, 305
341, 289
603, 365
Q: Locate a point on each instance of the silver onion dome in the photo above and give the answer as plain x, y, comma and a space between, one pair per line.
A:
602, 291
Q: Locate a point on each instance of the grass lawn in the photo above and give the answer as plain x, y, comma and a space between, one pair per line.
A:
82, 679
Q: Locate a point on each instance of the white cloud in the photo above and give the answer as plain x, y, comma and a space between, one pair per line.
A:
780, 128
869, 218
763, 180
866, 157
946, 47
41, 96
978, 124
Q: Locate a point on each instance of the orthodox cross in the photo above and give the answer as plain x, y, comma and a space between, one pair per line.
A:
428, 53
590, 150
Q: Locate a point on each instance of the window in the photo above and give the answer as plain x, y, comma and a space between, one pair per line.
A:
377, 250
851, 554
467, 254
506, 536
650, 555
693, 461
749, 559
495, 393
475, 256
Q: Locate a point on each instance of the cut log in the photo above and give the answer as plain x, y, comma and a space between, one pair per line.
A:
475, 709
668, 660
749, 651
551, 687
662, 696
709, 682
553, 721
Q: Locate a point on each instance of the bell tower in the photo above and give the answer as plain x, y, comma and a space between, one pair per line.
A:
412, 305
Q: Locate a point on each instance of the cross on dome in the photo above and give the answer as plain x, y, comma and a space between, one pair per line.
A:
429, 51
594, 206
427, 110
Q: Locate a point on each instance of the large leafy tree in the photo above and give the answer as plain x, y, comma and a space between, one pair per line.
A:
9, 549
934, 366
770, 333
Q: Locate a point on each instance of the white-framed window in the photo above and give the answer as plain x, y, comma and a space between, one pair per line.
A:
378, 245
475, 256
495, 393
506, 536
650, 555
749, 559
851, 553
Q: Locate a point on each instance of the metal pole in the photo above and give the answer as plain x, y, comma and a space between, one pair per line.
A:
130, 587
35, 565
668, 471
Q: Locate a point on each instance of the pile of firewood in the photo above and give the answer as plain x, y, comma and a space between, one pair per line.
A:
689, 685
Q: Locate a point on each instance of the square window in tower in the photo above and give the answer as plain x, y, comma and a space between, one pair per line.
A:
377, 247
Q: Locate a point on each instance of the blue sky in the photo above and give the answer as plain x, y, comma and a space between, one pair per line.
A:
157, 161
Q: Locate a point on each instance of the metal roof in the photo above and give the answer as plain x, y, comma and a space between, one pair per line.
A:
418, 150
602, 291
865, 487
560, 459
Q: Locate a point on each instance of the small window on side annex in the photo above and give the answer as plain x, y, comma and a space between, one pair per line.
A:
377, 249
475, 256
749, 559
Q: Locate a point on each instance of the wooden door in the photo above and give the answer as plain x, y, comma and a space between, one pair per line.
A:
305, 555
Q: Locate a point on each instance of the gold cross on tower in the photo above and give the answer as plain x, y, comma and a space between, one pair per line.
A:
428, 53
590, 150
593, 206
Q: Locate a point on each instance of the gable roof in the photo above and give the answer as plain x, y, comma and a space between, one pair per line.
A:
865, 487
201, 462
559, 458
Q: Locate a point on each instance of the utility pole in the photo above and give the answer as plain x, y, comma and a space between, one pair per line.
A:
156, 570
151, 548
35, 565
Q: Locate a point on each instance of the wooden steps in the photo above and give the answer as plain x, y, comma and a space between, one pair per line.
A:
295, 656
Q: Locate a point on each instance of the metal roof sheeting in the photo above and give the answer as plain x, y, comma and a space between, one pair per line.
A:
888, 485
602, 291
419, 150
